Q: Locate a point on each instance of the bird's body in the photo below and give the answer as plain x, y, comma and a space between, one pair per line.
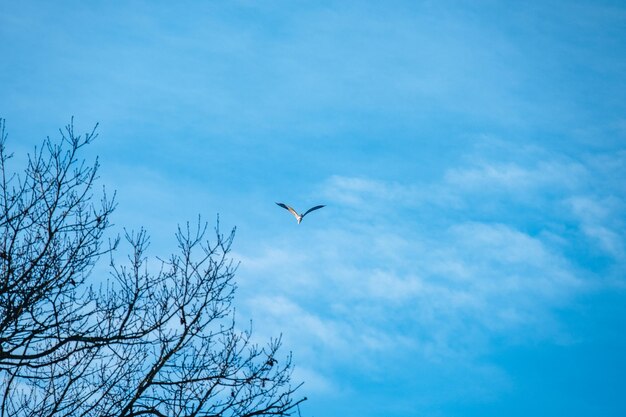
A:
297, 215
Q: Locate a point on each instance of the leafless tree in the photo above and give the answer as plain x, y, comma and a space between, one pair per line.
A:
157, 342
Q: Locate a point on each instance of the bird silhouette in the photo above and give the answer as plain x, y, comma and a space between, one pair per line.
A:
299, 217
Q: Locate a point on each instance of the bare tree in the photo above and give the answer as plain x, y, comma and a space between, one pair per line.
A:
160, 343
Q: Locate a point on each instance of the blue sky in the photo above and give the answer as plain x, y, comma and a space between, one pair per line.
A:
472, 155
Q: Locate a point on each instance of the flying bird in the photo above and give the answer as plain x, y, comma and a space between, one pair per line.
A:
299, 217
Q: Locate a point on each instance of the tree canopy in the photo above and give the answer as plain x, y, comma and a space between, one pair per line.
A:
143, 341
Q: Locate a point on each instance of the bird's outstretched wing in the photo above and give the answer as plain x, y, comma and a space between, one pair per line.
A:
312, 209
286, 207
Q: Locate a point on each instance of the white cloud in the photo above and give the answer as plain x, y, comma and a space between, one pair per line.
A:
516, 178
354, 191
451, 293
611, 242
601, 222
435, 271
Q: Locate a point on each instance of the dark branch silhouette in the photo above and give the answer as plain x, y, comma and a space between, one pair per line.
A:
143, 343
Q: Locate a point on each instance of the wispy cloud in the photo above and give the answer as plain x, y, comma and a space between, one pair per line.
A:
445, 286
515, 178
601, 221
361, 191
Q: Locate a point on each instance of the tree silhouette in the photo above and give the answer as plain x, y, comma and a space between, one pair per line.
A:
143, 342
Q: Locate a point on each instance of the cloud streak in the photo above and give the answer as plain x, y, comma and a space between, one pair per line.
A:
447, 287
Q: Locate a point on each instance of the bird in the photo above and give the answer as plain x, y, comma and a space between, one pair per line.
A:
299, 217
